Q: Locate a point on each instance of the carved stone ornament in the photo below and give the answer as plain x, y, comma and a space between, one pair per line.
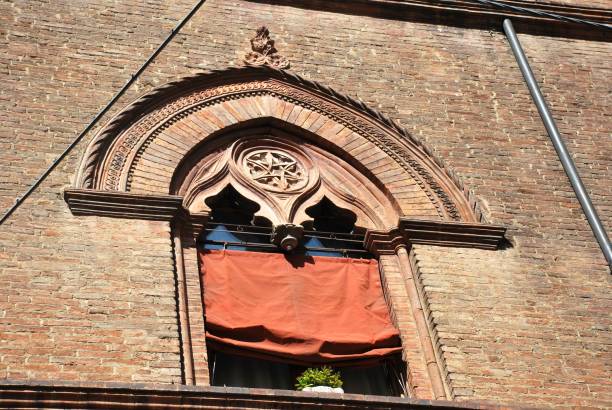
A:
284, 176
135, 152
275, 169
263, 51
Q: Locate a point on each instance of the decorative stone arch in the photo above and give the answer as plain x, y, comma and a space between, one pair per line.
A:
225, 160
139, 149
164, 154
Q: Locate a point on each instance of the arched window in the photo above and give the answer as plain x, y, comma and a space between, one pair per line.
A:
287, 282
249, 153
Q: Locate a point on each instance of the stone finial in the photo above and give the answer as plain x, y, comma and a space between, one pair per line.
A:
263, 51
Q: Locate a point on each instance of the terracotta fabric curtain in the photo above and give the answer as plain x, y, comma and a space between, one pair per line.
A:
299, 309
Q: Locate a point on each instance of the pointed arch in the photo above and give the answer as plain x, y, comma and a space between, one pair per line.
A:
142, 148
169, 151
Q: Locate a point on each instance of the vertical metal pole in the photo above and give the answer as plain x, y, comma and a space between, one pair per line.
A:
555, 137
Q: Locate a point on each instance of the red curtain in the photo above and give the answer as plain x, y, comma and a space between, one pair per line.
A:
297, 308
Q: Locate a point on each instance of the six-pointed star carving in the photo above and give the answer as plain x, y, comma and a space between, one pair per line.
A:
274, 169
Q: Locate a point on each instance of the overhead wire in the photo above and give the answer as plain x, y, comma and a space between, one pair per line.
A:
541, 13
134, 77
100, 114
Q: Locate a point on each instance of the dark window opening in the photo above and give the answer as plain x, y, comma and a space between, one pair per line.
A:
234, 226
381, 379
327, 217
228, 206
332, 231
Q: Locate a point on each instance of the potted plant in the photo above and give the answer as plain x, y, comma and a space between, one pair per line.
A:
320, 379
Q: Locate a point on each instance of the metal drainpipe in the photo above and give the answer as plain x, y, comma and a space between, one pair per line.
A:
555, 137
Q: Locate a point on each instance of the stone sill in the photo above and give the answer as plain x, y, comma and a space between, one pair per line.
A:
70, 395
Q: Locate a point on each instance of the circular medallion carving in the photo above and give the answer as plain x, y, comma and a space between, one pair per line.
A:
276, 170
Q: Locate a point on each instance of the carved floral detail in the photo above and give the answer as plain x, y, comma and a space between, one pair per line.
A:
275, 169
264, 52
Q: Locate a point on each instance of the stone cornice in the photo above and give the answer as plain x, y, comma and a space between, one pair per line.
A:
167, 207
470, 14
383, 242
58, 394
439, 233
458, 234
123, 204
135, 206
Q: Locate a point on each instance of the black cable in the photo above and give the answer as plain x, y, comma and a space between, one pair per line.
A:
543, 13
100, 114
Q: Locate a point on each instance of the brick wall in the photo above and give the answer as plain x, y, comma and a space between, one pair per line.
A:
93, 299
80, 298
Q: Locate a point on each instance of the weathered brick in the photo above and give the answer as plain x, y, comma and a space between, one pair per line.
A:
527, 324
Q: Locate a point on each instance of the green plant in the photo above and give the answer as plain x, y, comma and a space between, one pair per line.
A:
318, 376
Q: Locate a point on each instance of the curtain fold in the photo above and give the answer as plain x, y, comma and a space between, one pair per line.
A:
298, 309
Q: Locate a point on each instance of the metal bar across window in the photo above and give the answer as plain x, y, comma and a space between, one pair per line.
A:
257, 230
274, 247
306, 235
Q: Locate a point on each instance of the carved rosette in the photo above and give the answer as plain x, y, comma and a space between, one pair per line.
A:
275, 170
277, 167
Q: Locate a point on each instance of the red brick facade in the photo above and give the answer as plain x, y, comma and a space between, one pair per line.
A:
94, 299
